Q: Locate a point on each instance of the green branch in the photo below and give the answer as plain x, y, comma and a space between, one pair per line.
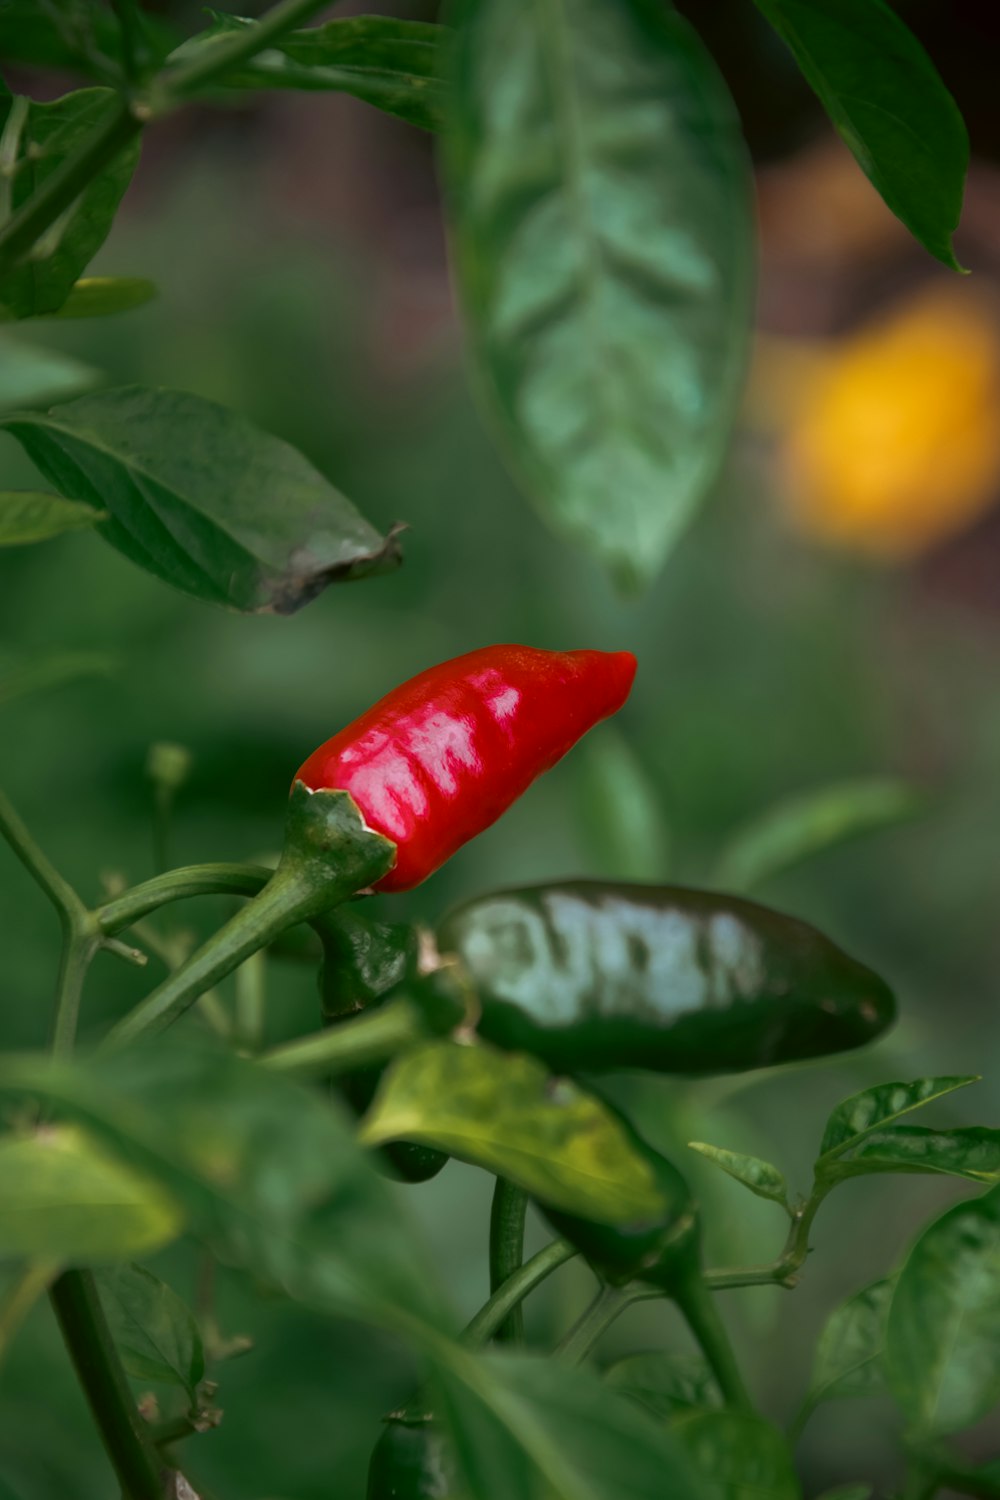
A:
494, 1313
507, 1215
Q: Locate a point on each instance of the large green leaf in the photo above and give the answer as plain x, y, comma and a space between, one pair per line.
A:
504, 1111
30, 516
203, 499
265, 1171
740, 1456
32, 376
603, 251
800, 827
64, 1197
52, 671
877, 1107
385, 61
942, 1350
972, 1151
664, 1384
74, 34
886, 99
154, 1331
49, 134
849, 1355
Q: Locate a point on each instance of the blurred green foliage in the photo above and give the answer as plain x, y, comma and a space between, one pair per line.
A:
766, 669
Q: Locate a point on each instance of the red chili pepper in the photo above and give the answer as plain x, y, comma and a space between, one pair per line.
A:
441, 757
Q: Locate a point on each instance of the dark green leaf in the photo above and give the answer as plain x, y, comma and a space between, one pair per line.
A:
664, 1384
50, 133
942, 1352
202, 498
874, 1108
504, 1111
849, 1355
264, 1170
31, 376
741, 1456
154, 1331
599, 198
803, 826
858, 1491
100, 296
387, 62
83, 37
886, 99
761, 1177
52, 671
972, 1152
63, 1197
29, 516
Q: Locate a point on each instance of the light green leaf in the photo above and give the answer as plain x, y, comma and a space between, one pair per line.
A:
741, 1456
887, 101
50, 133
849, 1355
32, 376
63, 1196
390, 63
100, 296
761, 1177
806, 825
664, 1384
203, 499
154, 1331
53, 671
943, 1339
505, 1112
876, 1107
622, 810
972, 1152
30, 516
602, 239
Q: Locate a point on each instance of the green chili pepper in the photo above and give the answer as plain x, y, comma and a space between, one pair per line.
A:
592, 976
411, 1461
362, 961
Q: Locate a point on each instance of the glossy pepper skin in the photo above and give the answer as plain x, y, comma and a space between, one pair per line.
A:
362, 961
411, 1461
443, 756
592, 976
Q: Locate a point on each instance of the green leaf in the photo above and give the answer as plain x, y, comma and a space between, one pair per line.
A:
972, 1152
886, 100
86, 38
761, 1177
100, 296
51, 133
53, 671
740, 1455
849, 1355
860, 1491
265, 1171
664, 1384
154, 1331
874, 1108
31, 376
64, 1197
204, 500
384, 61
540, 1430
505, 1112
602, 238
622, 810
29, 516
943, 1339
803, 826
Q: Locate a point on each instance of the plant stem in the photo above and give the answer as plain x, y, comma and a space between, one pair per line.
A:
609, 1304
178, 885
251, 997
701, 1316
784, 1270
208, 62
373, 1037
514, 1290
58, 890
85, 1331
507, 1215
80, 943
129, 23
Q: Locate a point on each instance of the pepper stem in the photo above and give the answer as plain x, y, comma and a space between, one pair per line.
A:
507, 1216
701, 1315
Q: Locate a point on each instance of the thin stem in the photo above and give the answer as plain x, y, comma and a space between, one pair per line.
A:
609, 1304
80, 943
251, 999
373, 1037
784, 1270
699, 1312
210, 61
507, 1216
179, 885
58, 890
88, 1340
514, 1290
10, 143
130, 26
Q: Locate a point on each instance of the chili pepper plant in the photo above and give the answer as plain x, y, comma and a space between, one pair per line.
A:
597, 195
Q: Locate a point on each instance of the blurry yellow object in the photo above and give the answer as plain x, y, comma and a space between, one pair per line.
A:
892, 440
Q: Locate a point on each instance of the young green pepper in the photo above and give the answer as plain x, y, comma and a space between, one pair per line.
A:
411, 1461
441, 757
593, 976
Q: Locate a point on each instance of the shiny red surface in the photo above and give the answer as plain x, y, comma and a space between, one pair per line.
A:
441, 757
